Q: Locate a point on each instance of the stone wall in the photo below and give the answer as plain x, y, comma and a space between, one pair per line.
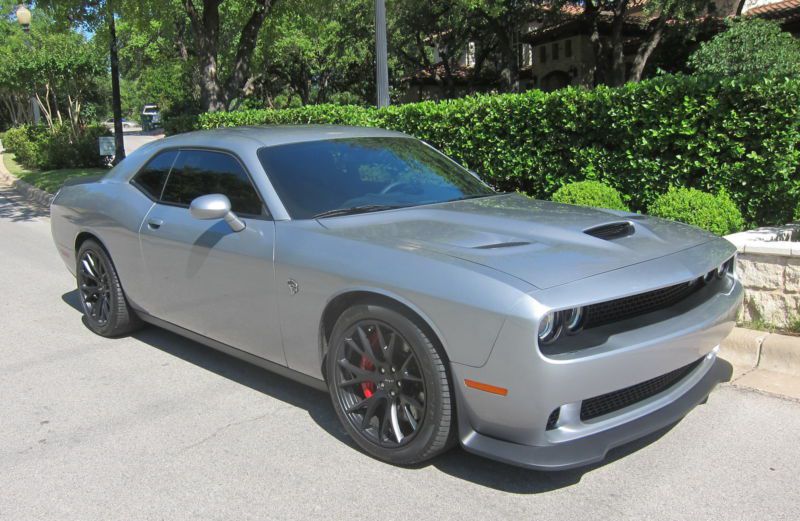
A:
772, 284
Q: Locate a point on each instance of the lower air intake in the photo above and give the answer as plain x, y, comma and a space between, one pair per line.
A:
614, 401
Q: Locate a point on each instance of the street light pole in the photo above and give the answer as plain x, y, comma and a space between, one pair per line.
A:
24, 20
381, 58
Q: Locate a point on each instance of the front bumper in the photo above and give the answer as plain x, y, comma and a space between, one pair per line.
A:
593, 448
513, 428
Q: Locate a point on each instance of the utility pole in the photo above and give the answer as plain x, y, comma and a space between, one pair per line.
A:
116, 101
381, 59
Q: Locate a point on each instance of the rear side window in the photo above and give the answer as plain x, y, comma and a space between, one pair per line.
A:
202, 172
151, 178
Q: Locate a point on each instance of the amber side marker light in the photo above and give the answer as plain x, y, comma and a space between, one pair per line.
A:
502, 391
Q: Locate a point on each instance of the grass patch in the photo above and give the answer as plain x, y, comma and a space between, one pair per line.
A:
47, 180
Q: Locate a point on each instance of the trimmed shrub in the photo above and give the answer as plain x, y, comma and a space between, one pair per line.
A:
23, 142
590, 193
715, 213
44, 149
638, 138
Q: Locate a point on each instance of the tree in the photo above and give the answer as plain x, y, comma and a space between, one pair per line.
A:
653, 22
750, 48
317, 50
217, 90
417, 27
97, 15
60, 69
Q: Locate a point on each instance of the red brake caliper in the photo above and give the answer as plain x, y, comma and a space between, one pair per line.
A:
368, 388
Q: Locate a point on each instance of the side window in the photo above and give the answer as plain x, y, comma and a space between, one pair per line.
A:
203, 172
151, 178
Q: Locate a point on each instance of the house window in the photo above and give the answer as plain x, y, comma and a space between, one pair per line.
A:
555, 51
527, 55
469, 60
543, 54
568, 49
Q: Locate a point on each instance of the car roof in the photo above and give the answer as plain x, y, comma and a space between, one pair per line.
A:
272, 135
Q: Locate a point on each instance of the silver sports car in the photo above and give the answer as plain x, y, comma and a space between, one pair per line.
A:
433, 309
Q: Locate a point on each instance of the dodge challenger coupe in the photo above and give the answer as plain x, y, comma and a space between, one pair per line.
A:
433, 309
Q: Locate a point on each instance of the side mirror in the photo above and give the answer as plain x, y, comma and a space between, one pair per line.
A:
215, 206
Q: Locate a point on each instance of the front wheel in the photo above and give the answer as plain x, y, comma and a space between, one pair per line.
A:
104, 305
389, 386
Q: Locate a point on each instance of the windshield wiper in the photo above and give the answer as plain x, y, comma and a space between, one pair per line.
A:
364, 208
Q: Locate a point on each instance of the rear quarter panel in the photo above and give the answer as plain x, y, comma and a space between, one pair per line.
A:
111, 211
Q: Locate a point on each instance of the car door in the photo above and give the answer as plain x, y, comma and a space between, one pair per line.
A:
202, 275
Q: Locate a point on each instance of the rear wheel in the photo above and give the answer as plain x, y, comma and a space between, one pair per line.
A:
104, 305
389, 386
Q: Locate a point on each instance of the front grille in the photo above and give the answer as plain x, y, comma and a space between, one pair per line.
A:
611, 231
614, 401
628, 307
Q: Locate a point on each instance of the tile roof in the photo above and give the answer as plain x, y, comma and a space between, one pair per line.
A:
777, 10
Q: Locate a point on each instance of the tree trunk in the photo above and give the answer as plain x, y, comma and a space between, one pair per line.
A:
617, 65
216, 94
592, 15
647, 47
116, 98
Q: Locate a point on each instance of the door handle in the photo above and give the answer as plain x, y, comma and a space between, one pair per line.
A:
154, 224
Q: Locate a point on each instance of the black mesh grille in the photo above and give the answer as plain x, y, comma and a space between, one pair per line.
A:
628, 307
553, 419
611, 231
614, 401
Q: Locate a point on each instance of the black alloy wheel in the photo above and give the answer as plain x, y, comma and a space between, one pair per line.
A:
95, 287
390, 386
103, 301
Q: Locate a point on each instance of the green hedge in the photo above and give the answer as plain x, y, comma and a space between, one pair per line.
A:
640, 138
715, 213
590, 193
49, 149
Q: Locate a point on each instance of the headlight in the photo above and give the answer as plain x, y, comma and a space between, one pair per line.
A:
722, 269
549, 328
574, 320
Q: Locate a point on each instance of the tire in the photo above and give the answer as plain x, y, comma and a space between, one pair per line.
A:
103, 301
414, 382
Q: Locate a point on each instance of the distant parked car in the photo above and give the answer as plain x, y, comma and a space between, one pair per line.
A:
151, 117
433, 309
126, 125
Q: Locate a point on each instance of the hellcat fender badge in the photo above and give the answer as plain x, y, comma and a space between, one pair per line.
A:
294, 287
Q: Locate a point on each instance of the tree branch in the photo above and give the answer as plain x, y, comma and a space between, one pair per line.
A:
244, 51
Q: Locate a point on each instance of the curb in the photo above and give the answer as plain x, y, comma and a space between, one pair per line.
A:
747, 349
26, 190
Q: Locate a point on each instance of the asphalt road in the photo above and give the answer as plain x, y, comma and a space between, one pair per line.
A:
158, 427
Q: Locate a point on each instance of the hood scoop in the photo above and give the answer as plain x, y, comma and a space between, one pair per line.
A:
611, 231
497, 245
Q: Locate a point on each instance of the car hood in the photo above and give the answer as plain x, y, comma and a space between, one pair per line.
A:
542, 243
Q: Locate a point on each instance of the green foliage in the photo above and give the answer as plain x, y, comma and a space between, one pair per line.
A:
45, 149
715, 213
796, 216
590, 193
639, 139
61, 68
750, 49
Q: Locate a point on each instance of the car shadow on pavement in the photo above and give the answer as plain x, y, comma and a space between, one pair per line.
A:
457, 463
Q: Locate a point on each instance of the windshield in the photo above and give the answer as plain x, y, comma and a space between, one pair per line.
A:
318, 177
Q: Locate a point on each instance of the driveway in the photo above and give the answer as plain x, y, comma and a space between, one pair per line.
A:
136, 138
154, 426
